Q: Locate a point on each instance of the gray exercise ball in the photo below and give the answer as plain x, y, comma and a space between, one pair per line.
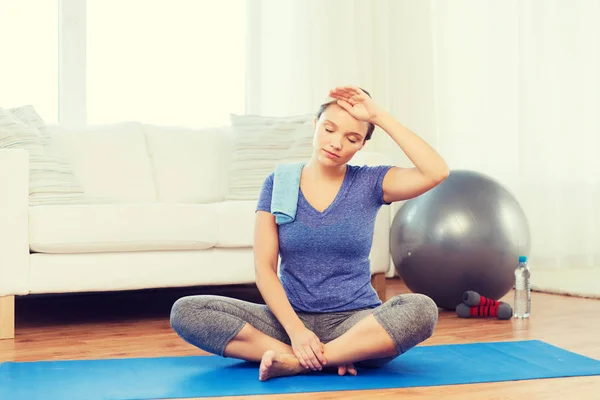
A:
467, 233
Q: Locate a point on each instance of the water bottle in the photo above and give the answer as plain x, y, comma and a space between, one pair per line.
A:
522, 306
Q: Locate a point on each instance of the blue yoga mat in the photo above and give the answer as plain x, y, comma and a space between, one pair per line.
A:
207, 376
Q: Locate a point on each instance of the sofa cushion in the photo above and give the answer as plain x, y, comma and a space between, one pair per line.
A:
236, 223
259, 144
120, 227
110, 161
68, 273
190, 165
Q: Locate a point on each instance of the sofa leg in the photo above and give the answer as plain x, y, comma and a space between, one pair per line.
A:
7, 317
378, 282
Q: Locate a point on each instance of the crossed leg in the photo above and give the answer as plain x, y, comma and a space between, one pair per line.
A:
238, 329
368, 338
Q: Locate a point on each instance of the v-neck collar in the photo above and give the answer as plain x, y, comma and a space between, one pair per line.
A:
338, 197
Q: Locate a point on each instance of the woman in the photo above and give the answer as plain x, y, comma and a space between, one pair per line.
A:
323, 311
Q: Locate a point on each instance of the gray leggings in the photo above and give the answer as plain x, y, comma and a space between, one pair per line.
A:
210, 322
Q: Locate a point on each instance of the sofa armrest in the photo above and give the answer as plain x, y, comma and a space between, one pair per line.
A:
380, 250
14, 222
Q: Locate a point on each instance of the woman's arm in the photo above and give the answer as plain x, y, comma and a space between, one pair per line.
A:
266, 251
430, 168
306, 345
399, 183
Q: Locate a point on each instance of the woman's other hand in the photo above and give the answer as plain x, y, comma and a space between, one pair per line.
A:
308, 349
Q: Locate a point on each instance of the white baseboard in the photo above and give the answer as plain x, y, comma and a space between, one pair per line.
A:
574, 282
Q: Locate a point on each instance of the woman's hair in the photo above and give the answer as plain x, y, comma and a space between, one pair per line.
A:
324, 106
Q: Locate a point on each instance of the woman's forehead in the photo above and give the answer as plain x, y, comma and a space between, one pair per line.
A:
343, 119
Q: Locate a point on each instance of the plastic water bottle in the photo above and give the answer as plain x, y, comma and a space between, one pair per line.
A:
522, 307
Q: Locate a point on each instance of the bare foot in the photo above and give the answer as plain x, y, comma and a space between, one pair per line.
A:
273, 365
342, 369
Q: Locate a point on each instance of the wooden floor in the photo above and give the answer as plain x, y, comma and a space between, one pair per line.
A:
137, 325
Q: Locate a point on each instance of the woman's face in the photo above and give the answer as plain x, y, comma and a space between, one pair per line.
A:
338, 136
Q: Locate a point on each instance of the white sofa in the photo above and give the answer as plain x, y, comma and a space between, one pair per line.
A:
155, 215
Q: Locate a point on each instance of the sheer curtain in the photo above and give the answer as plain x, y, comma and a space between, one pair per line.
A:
298, 50
510, 89
518, 97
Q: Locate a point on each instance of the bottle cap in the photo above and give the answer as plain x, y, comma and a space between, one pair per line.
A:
522, 259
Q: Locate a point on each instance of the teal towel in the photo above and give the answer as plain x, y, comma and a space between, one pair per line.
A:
286, 186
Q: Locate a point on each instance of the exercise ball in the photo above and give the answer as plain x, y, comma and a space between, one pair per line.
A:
467, 233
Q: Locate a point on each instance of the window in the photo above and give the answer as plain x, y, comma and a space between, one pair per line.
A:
29, 66
171, 62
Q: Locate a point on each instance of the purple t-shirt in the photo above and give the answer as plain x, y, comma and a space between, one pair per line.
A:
325, 264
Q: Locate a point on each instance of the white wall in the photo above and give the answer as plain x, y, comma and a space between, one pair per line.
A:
455, 81
409, 74
514, 92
